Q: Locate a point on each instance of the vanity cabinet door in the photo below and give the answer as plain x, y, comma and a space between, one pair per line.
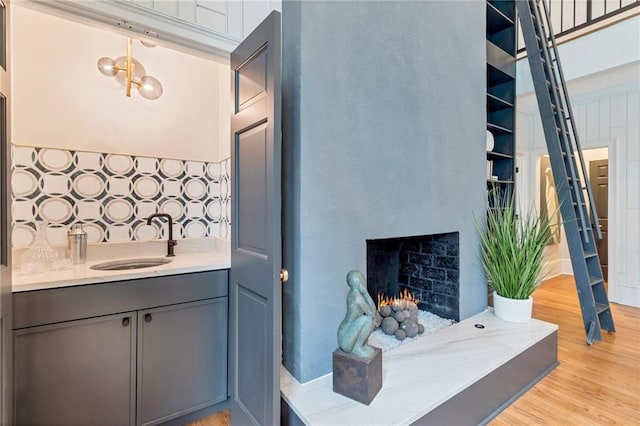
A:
182, 359
76, 372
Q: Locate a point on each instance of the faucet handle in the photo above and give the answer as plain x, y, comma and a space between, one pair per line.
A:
170, 245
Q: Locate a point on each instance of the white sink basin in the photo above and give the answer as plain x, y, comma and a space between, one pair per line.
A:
124, 264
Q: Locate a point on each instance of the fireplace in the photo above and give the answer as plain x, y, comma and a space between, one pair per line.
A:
428, 266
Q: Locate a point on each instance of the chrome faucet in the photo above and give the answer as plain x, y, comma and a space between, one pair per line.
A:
171, 243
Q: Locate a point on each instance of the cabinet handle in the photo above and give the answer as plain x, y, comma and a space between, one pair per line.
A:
147, 318
125, 321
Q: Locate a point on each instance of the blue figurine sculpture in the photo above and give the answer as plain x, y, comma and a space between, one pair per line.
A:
359, 321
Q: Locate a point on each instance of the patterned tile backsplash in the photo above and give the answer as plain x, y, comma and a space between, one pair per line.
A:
112, 195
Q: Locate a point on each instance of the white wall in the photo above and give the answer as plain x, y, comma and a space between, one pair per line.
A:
60, 100
600, 51
224, 114
603, 74
617, 127
254, 11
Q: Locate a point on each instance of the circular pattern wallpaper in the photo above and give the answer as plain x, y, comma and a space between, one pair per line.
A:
113, 195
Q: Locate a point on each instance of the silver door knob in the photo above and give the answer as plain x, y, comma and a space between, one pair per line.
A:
284, 275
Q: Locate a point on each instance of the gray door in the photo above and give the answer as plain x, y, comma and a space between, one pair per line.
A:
182, 359
5, 222
599, 179
255, 289
76, 372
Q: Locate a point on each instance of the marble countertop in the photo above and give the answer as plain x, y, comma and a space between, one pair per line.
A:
190, 257
420, 375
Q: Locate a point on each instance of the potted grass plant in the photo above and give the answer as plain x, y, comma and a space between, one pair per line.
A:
513, 255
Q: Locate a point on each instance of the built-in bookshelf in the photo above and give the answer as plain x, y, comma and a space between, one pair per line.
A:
501, 94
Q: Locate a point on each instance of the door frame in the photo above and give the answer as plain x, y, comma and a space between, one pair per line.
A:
6, 335
614, 204
593, 171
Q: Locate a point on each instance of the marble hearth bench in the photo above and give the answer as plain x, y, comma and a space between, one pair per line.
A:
462, 375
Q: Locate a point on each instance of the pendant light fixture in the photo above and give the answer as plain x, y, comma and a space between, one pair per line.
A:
130, 73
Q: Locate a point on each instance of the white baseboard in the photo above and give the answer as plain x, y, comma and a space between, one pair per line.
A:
566, 267
557, 267
626, 295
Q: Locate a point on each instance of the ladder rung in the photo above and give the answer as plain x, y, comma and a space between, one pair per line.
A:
588, 255
595, 281
555, 111
601, 307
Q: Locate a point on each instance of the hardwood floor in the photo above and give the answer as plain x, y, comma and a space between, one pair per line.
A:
598, 384
593, 385
221, 418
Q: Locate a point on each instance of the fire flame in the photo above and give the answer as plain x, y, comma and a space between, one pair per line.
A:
403, 298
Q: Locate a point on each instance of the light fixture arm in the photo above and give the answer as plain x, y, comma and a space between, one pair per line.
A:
128, 66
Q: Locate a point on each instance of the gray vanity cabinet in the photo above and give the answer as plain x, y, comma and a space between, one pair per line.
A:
182, 359
133, 352
84, 364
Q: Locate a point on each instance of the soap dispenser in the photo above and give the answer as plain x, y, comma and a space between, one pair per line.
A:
77, 237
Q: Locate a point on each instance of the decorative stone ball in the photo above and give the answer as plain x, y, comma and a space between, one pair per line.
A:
389, 325
420, 328
414, 317
399, 316
413, 308
410, 328
396, 307
407, 313
385, 311
400, 334
377, 320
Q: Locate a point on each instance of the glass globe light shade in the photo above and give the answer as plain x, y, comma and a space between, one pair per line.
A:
107, 66
137, 70
150, 88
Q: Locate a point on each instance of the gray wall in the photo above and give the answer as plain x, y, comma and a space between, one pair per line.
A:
384, 112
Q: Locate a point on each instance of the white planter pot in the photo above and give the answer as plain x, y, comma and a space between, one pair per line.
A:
512, 310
